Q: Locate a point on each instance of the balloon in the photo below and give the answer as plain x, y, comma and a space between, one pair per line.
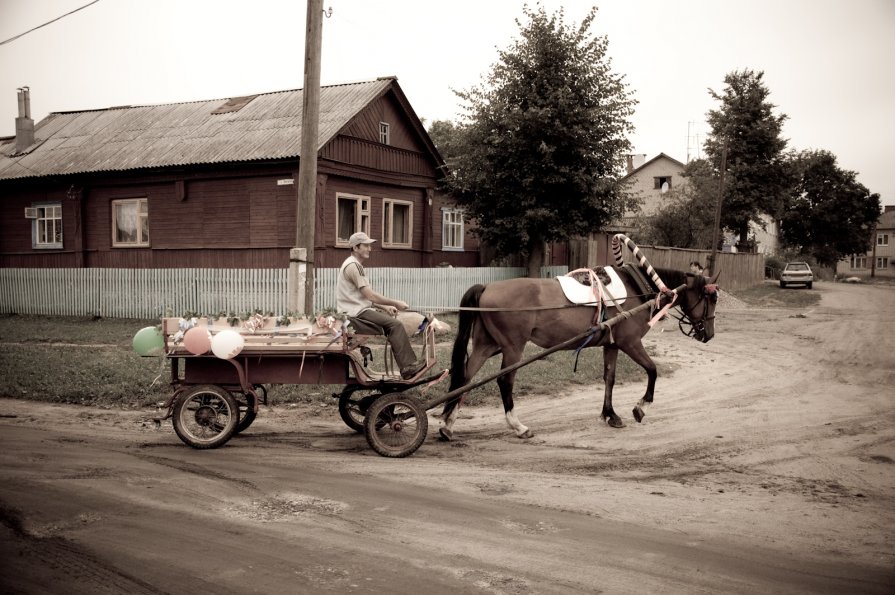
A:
197, 341
149, 341
227, 344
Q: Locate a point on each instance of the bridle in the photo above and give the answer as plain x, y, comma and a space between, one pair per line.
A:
687, 323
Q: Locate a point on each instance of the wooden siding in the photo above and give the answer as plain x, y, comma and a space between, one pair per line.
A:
385, 109
365, 153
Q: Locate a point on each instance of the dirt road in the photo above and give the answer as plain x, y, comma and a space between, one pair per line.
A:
767, 464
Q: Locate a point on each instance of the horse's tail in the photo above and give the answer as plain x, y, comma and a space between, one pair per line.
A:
464, 334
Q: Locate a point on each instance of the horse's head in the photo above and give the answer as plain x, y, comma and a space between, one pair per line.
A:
698, 304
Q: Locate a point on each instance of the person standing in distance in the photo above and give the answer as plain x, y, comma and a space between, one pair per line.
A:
370, 311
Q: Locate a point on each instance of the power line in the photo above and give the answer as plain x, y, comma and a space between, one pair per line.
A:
47, 23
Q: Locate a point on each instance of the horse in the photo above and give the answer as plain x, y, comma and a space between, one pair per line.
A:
501, 317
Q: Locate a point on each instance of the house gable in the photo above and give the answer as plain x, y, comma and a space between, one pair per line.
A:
647, 182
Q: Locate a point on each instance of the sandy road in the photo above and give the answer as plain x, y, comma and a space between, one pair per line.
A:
765, 465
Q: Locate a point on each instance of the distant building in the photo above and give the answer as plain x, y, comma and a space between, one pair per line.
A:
879, 261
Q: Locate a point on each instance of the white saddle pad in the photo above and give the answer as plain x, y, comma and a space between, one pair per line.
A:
578, 293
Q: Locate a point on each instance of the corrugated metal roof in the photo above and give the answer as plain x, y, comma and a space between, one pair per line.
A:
115, 139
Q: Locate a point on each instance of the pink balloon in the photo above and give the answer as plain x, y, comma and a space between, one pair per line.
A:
197, 341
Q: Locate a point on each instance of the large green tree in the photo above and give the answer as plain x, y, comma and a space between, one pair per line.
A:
832, 215
537, 155
757, 176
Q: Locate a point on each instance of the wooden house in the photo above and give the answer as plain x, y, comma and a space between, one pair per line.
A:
213, 184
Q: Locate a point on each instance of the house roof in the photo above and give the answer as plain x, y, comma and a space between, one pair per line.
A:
258, 127
651, 161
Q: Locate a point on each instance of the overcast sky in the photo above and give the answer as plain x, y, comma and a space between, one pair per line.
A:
828, 63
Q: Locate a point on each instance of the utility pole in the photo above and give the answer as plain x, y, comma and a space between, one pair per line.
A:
717, 234
300, 285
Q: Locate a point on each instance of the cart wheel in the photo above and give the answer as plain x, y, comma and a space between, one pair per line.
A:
353, 404
246, 403
395, 425
206, 416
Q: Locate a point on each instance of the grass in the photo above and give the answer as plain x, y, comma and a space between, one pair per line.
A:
91, 362
770, 294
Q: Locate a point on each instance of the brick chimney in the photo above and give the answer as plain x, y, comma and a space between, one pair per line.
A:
24, 123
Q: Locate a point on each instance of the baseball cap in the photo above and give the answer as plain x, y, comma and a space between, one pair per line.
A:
359, 238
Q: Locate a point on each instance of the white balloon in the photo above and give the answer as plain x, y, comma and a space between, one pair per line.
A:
227, 344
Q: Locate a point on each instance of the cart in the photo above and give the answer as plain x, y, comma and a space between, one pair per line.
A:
215, 399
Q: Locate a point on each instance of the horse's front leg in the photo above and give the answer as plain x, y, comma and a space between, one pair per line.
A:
610, 358
505, 383
638, 353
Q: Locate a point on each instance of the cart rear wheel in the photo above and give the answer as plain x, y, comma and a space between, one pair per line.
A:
206, 416
395, 425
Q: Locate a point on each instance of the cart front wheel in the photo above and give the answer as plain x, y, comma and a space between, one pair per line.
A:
206, 416
354, 402
395, 425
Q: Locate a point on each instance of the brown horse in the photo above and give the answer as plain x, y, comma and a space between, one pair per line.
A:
503, 316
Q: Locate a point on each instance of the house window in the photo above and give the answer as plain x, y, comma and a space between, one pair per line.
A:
384, 136
882, 262
46, 231
452, 229
662, 183
353, 214
397, 223
130, 222
858, 262
882, 239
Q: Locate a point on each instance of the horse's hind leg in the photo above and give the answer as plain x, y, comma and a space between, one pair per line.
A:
477, 359
610, 359
638, 353
505, 383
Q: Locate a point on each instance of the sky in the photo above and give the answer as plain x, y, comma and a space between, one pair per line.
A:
828, 64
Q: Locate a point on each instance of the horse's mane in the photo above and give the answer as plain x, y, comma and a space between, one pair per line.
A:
673, 278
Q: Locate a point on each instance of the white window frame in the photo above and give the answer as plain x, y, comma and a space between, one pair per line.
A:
858, 262
882, 262
39, 226
385, 136
360, 215
388, 223
452, 219
142, 214
882, 239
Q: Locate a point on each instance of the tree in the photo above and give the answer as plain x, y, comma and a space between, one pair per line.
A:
832, 215
540, 148
758, 180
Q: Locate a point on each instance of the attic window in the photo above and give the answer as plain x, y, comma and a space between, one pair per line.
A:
234, 104
383, 133
662, 183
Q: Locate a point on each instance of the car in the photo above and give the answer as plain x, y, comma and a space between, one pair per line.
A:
796, 273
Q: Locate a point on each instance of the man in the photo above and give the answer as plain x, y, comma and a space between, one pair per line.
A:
696, 267
370, 311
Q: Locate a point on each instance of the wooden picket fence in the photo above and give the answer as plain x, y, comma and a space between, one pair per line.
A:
154, 293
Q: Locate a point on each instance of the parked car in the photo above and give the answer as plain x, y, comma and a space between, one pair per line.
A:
796, 273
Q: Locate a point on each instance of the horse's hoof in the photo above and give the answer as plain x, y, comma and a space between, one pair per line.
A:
639, 414
615, 422
445, 435
526, 435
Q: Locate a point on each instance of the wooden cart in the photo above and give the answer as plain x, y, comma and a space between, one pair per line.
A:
216, 398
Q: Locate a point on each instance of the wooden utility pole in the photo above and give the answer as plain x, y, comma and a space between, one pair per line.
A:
716, 236
301, 258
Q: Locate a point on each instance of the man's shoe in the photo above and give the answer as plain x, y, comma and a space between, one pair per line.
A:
408, 372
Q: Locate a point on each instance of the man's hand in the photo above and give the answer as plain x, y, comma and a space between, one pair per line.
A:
401, 305
390, 310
